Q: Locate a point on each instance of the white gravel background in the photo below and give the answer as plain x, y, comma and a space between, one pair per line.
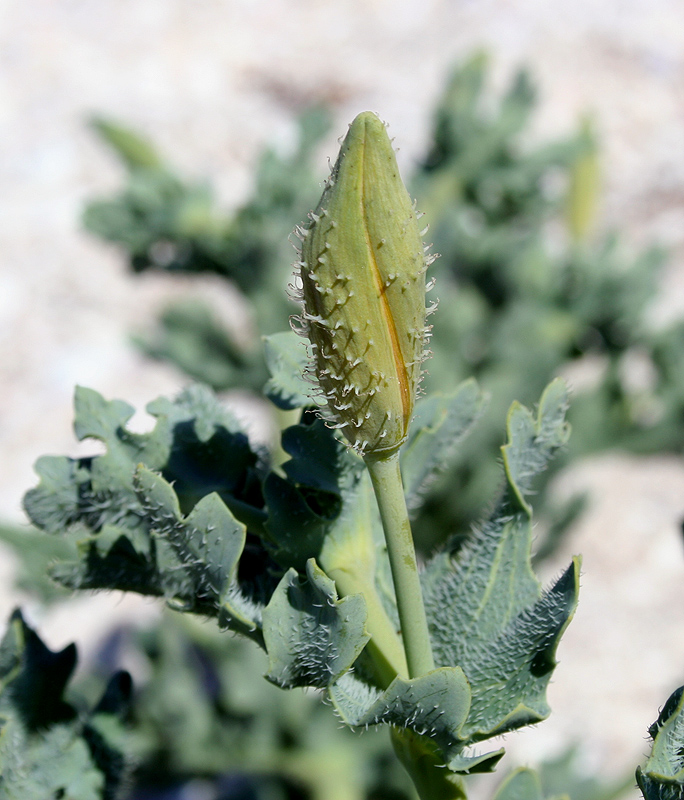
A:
214, 82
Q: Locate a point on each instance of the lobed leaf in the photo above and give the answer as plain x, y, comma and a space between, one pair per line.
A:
532, 442
198, 566
486, 611
311, 636
135, 532
434, 706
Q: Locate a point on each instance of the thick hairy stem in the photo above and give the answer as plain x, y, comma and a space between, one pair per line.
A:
389, 491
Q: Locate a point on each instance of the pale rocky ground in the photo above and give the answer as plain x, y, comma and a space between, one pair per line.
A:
216, 81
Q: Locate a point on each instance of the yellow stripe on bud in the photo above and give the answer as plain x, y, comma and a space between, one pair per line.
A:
362, 276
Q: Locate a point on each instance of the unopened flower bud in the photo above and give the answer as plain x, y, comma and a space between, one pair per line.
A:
362, 273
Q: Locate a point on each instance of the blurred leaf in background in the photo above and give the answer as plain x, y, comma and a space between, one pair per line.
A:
165, 223
35, 553
50, 748
203, 710
528, 289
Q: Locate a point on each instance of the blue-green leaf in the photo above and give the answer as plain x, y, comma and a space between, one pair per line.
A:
198, 554
127, 531
486, 611
532, 442
434, 706
311, 636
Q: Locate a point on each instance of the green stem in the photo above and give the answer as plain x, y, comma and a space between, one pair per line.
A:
389, 492
384, 647
426, 768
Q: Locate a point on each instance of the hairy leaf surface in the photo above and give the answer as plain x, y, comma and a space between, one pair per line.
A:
198, 555
139, 534
486, 611
312, 638
662, 777
434, 705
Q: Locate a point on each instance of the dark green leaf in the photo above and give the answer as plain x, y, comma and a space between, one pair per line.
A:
46, 749
323, 481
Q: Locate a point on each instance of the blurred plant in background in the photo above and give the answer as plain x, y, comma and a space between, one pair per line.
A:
528, 289
164, 223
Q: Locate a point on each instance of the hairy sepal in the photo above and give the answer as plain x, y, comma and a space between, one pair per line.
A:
362, 280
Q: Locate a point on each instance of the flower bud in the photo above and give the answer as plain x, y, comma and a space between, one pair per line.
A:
362, 274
